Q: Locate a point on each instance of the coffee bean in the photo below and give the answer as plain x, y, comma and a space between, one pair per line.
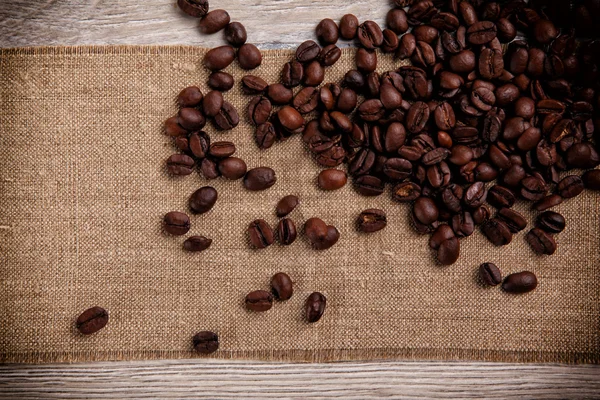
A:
449, 251
232, 168
214, 21
544, 31
219, 57
190, 97
570, 186
520, 282
366, 60
497, 232
221, 81
332, 179
462, 62
480, 214
491, 64
235, 34
173, 129
500, 197
259, 110
533, 188
195, 8
259, 301
307, 51
540, 241
591, 180
320, 235
582, 155
259, 178
314, 307
92, 320
290, 119
417, 117
425, 210
306, 100
286, 231
253, 84
261, 234
227, 118
249, 56
222, 149
348, 27
205, 342
371, 220
506, 30
481, 32
197, 243
286, 205
191, 119
282, 286
327, 31
548, 202
329, 55
370, 35
176, 223
490, 274
314, 73
397, 168
203, 200
209, 169
407, 46
368, 185
265, 135
396, 20
475, 195
441, 234
292, 74
346, 101
406, 191
463, 224
513, 220
212, 103
180, 164
551, 221
279, 94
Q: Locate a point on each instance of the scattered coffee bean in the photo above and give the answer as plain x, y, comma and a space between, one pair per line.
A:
205, 342
321, 235
259, 300
540, 241
232, 168
497, 232
249, 56
197, 243
203, 199
591, 180
327, 31
349, 27
235, 34
332, 179
314, 307
512, 219
286, 231
190, 97
92, 320
176, 223
551, 221
219, 57
227, 118
371, 220
570, 186
214, 21
286, 205
520, 282
212, 103
261, 234
195, 8
191, 119
221, 81
490, 274
180, 164
282, 286
259, 178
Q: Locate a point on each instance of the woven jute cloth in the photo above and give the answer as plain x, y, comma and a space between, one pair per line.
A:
83, 189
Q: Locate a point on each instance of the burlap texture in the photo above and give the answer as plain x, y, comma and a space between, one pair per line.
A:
83, 189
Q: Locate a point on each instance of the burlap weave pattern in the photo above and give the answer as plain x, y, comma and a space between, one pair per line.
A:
83, 189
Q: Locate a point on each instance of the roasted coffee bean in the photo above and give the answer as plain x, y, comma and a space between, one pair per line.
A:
500, 197
424, 56
260, 233
232, 168
173, 129
467, 12
235, 34
372, 110
533, 188
371, 220
180, 164
514, 220
366, 60
544, 31
425, 33
329, 55
286, 205
290, 119
348, 27
490, 274
203, 199
369, 185
195, 8
197, 243
92, 320
190, 97
396, 20
205, 342
480, 214
198, 144
331, 157
253, 84
219, 57
214, 21
530, 139
259, 178
506, 30
444, 116
441, 234
548, 202
282, 286
481, 32
332, 179
460, 155
520, 282
314, 307
406, 191
475, 195
227, 118
327, 31
438, 175
286, 231
191, 119
551, 221
463, 224
497, 232
209, 169
314, 73
407, 46
425, 210
582, 155
279, 94
435, 156
265, 135
259, 110
417, 117
421, 12
491, 64
535, 65
259, 300
176, 223
390, 41
306, 100
307, 51
320, 235
222, 149
397, 169
449, 251
540, 241
570, 186
591, 180
370, 35
249, 56
221, 81
346, 101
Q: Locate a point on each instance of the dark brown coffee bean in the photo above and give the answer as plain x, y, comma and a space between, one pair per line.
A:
253, 84
591, 180
235, 34
417, 117
424, 56
327, 31
320, 235
332, 179
209, 169
260, 233
370, 35
425, 33
407, 46
441, 234
468, 13
222, 149
397, 169
463, 224
540, 241
232, 168
195, 8
483, 98
497, 232
533, 188
548, 202
369, 185
373, 110
438, 175
329, 55
307, 51
490, 274
449, 251
481, 32
406, 191
279, 94
331, 157
191, 119
259, 178
314, 73
444, 116
259, 301
346, 101
314, 307
396, 20
92, 320
265, 135
306, 100
506, 30
535, 65
570, 186
530, 139
286, 205
286, 231
462, 62
219, 57
197, 243
173, 129
425, 210
190, 97
176, 223
371, 220
366, 60
582, 155
500, 197
198, 144
475, 195
348, 27
544, 31
205, 342
421, 12
221, 81
259, 110
435, 156
214, 21
520, 282
480, 214
227, 118
551, 221
180, 164
203, 199
290, 119
249, 56
514, 220
491, 64
282, 286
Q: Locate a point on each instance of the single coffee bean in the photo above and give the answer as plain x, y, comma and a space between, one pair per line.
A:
253, 84
327, 31
198, 144
514, 220
307, 51
544, 31
259, 110
462, 62
520, 282
481, 32
214, 21
173, 129
279, 94
282, 286
235, 34
249, 56
314, 307
320, 235
369, 185
227, 118
197, 243
490, 274
417, 117
406, 191
191, 119
500, 197
396, 20
203, 199
481, 214
449, 251
463, 224
582, 155
209, 169
497, 232
176, 223
259, 300
591, 180
506, 30
346, 101
540, 241
195, 8
92, 320
441, 234
265, 135
260, 233
222, 149
570, 186
425, 210
190, 97
348, 27
314, 73
533, 188
290, 119
306, 100
371, 220
212, 103
205, 342
221, 81
548, 202
286, 231
332, 179
180, 164
232, 168
491, 64
366, 60
219, 57
259, 178
292, 74
551, 221
286, 205
475, 195
329, 55
407, 46
370, 35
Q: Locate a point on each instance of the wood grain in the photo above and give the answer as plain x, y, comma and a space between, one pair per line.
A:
226, 379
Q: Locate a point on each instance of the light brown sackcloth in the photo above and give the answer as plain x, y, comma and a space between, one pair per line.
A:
83, 189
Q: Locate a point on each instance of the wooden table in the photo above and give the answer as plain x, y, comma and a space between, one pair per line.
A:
270, 24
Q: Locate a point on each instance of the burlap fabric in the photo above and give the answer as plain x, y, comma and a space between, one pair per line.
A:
83, 189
